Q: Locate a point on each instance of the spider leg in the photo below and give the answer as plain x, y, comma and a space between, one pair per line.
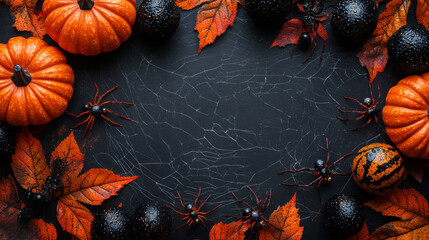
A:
90, 122
204, 224
340, 174
180, 199
351, 119
96, 94
196, 199
184, 214
242, 202
368, 122
266, 202
354, 99
265, 220
112, 122
241, 217
293, 50
183, 225
86, 120
318, 189
299, 185
108, 91
107, 102
323, 51
339, 160
351, 111
119, 115
295, 171
312, 51
90, 128
77, 116
327, 151
254, 194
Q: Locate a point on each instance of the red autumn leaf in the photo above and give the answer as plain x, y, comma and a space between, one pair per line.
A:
232, 231
27, 18
284, 217
289, 34
92, 187
47, 231
213, 18
96, 185
74, 217
363, 234
10, 205
408, 205
422, 12
415, 168
373, 56
28, 163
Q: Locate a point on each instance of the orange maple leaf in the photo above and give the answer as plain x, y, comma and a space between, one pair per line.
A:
213, 18
408, 205
92, 187
10, 205
363, 234
284, 217
373, 56
27, 18
422, 12
47, 231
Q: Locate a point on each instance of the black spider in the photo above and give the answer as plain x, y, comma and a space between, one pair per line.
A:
370, 112
35, 202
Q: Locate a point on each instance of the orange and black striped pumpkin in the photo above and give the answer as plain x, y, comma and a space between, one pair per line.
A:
378, 168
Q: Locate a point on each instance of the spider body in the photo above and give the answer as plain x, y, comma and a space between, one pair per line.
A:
370, 109
321, 169
96, 109
35, 202
254, 215
193, 214
304, 40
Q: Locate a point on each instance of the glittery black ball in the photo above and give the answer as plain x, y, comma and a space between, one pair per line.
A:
344, 215
151, 221
110, 224
7, 139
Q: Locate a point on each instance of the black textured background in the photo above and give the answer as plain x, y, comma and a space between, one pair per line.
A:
232, 116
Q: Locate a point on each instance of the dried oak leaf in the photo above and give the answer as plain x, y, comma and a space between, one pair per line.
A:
213, 18
363, 234
10, 205
92, 187
408, 205
373, 56
415, 168
422, 12
284, 217
27, 17
47, 231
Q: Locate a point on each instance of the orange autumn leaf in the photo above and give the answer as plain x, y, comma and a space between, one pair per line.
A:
373, 56
408, 205
213, 18
290, 33
231, 231
28, 163
27, 18
47, 231
422, 12
363, 234
92, 187
10, 205
286, 218
74, 217
96, 185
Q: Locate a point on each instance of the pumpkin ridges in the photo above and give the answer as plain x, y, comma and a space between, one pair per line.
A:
56, 21
406, 132
16, 113
5, 58
53, 104
5, 97
64, 87
417, 92
109, 29
118, 10
87, 42
36, 102
404, 116
404, 97
51, 6
121, 31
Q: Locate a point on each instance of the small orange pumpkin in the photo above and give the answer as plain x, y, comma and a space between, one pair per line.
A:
36, 83
406, 116
89, 27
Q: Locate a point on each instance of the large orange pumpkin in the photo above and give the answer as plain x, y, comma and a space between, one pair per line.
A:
89, 27
36, 84
406, 115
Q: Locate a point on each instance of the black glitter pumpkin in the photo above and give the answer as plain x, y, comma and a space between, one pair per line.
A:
7, 139
151, 221
344, 215
111, 224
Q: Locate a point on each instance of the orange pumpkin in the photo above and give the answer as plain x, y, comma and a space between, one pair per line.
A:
36, 84
89, 27
406, 116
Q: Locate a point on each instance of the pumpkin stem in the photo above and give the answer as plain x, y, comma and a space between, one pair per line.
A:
86, 4
20, 77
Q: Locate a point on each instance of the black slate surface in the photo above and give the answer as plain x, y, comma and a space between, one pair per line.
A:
232, 116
